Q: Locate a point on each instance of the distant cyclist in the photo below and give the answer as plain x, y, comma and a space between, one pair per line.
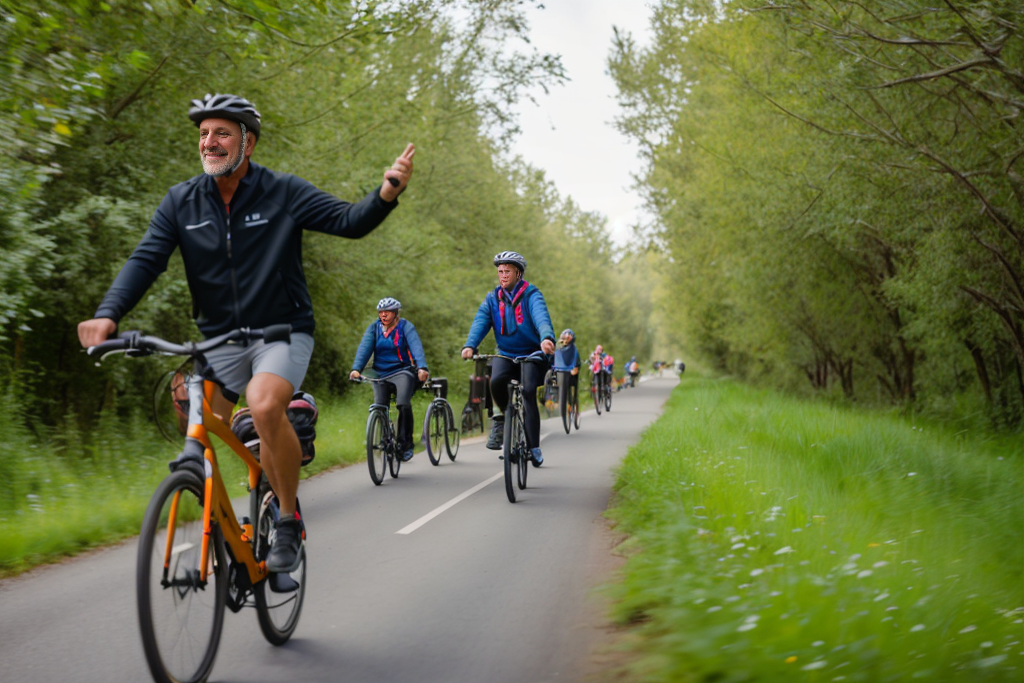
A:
567, 358
516, 311
633, 370
397, 358
239, 229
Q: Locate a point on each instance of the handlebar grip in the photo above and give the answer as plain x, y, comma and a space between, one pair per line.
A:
107, 346
276, 333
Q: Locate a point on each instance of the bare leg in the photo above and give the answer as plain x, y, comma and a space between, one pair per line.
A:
268, 396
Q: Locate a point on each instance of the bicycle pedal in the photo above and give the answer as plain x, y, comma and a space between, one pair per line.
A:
282, 583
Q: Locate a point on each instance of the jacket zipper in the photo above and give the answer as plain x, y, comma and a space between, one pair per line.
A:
231, 269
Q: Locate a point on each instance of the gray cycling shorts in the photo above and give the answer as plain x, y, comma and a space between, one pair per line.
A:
234, 364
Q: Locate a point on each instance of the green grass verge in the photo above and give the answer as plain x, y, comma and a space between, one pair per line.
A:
74, 492
776, 539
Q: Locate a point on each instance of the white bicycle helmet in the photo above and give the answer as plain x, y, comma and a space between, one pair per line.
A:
513, 257
389, 304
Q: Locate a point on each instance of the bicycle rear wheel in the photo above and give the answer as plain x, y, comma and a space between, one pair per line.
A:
180, 616
376, 446
452, 436
576, 407
435, 427
278, 597
608, 396
563, 401
394, 457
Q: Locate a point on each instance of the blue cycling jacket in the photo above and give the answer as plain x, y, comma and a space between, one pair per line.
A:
520, 320
566, 358
393, 351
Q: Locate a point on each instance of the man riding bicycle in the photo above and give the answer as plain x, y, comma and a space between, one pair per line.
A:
397, 353
239, 228
516, 311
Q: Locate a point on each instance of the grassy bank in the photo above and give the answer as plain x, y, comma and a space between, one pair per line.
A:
774, 539
70, 492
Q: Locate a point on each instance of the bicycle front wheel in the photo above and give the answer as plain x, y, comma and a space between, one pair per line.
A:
376, 446
511, 452
608, 397
394, 457
180, 615
278, 597
435, 428
596, 388
452, 436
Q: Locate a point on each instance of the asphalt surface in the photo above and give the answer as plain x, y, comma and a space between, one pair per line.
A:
474, 589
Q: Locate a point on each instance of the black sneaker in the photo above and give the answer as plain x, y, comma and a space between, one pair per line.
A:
497, 438
284, 554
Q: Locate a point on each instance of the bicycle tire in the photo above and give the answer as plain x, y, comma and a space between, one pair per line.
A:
563, 401
376, 446
511, 457
608, 398
277, 612
435, 428
523, 465
452, 436
181, 621
394, 457
576, 407
596, 390
467, 420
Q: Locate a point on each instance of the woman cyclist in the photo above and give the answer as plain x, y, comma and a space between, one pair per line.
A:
397, 358
567, 358
517, 313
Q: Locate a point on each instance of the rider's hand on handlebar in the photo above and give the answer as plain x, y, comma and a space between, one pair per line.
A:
467, 353
95, 331
354, 375
547, 346
423, 375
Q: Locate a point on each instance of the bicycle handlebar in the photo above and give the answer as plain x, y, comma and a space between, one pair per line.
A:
137, 344
535, 357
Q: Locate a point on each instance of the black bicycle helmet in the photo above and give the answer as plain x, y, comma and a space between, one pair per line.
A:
513, 257
231, 107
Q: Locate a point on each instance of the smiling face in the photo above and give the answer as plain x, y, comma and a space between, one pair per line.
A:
508, 275
220, 146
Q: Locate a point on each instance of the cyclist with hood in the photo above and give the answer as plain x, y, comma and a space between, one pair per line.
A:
516, 311
239, 229
398, 359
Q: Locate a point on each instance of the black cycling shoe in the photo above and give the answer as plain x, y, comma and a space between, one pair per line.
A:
497, 438
284, 554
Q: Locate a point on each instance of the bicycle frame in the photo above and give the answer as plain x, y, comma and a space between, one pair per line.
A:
217, 506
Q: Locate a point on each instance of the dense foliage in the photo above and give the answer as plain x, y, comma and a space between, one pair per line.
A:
839, 187
93, 97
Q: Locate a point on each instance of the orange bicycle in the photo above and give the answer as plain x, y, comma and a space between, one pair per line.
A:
195, 557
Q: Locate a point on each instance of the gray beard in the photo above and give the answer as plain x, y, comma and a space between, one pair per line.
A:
233, 166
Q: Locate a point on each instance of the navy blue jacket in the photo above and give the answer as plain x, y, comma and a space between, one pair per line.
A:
244, 266
399, 349
520, 321
566, 357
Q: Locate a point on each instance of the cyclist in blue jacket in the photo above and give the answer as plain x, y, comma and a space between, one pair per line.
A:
567, 357
516, 311
238, 227
397, 354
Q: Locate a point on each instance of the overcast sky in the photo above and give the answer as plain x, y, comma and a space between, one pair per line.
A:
570, 135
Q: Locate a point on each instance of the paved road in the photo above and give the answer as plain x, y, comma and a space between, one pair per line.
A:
485, 591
